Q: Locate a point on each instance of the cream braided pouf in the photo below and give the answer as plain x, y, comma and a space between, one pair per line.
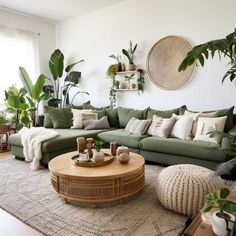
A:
183, 188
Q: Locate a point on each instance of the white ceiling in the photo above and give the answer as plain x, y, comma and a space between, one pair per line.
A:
56, 10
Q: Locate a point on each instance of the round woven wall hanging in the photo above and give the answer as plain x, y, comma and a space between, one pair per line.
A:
163, 61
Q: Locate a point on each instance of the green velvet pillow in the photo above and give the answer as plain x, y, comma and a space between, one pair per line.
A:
166, 113
87, 105
223, 112
100, 112
47, 122
125, 114
112, 115
61, 117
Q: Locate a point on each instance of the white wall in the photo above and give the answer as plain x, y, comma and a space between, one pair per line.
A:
96, 35
47, 38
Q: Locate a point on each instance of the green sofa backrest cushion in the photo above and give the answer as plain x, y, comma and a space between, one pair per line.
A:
61, 118
166, 113
112, 115
222, 112
125, 114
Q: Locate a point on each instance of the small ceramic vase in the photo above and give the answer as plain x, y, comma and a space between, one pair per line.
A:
98, 156
219, 224
122, 149
124, 158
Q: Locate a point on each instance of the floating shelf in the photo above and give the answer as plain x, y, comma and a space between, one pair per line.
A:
121, 90
126, 72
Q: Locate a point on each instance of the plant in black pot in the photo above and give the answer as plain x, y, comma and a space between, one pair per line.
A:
222, 220
129, 53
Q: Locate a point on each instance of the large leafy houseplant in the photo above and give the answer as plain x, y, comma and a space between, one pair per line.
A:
71, 79
225, 47
34, 93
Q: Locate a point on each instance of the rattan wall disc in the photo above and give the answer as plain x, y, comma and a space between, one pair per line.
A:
163, 61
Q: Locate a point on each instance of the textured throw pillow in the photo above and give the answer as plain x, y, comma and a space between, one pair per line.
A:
125, 114
219, 113
161, 127
182, 127
96, 124
77, 118
195, 120
61, 117
137, 126
164, 114
206, 125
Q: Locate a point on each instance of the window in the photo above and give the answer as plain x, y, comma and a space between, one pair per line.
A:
17, 48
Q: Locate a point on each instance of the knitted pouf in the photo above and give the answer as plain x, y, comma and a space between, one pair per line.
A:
183, 188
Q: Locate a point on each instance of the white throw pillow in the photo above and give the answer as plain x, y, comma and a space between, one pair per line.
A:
206, 125
182, 127
196, 115
137, 126
161, 127
77, 118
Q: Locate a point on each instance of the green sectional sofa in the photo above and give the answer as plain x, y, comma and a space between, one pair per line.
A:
166, 151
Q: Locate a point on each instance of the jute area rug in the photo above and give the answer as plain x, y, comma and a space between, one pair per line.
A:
28, 196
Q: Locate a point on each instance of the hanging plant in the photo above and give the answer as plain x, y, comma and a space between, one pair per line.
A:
141, 81
111, 73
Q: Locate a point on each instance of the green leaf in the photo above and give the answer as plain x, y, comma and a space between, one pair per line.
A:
134, 49
27, 83
24, 106
125, 52
69, 67
224, 192
30, 101
56, 64
38, 87
13, 102
73, 77
225, 167
25, 120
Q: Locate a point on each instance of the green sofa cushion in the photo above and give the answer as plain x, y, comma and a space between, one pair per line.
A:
112, 115
122, 137
65, 140
165, 113
219, 113
47, 122
196, 149
60, 117
125, 114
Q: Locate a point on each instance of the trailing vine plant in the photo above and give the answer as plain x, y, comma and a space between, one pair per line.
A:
111, 73
141, 81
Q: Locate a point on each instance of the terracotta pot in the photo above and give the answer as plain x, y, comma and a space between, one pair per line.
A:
118, 67
219, 224
130, 67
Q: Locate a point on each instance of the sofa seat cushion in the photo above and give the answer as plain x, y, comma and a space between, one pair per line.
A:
65, 140
195, 149
122, 137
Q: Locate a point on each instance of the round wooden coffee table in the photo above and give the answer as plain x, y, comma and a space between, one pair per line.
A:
96, 185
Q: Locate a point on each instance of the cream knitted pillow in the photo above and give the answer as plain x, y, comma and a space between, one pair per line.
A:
161, 127
78, 118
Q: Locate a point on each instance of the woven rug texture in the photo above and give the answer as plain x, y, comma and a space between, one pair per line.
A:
27, 195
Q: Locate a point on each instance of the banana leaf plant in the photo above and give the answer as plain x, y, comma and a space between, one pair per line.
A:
34, 93
225, 47
71, 79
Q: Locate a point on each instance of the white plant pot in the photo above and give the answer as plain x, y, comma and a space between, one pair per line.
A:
219, 224
98, 156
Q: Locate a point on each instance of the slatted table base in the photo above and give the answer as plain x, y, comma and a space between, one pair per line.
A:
98, 191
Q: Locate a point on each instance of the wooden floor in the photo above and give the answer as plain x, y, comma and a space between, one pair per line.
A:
11, 226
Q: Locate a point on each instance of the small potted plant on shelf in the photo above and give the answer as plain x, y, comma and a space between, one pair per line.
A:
129, 78
118, 65
222, 220
129, 53
98, 155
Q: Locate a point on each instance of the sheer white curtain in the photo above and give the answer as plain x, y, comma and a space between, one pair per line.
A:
17, 48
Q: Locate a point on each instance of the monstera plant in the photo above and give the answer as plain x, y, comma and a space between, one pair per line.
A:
70, 80
225, 47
